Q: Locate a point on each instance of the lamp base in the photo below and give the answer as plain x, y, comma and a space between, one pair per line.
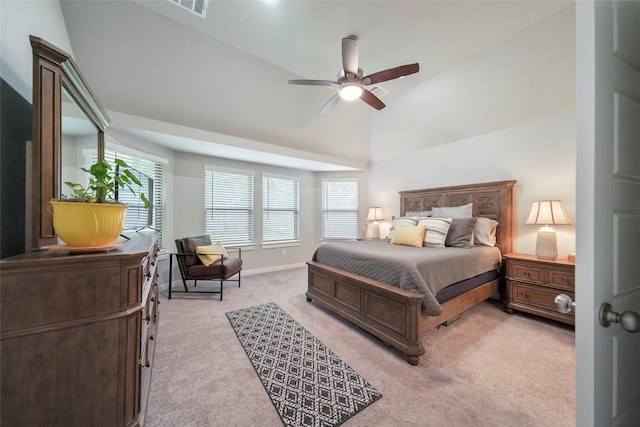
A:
375, 230
546, 244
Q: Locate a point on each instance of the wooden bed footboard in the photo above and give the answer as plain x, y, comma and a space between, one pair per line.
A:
391, 314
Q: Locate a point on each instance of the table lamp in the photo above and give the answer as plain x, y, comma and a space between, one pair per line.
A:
375, 215
547, 213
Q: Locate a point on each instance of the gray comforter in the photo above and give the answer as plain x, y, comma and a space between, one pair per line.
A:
421, 270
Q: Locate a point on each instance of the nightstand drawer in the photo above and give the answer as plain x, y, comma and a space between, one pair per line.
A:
536, 296
527, 272
562, 279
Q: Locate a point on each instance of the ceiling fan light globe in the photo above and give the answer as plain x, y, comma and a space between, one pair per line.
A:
351, 91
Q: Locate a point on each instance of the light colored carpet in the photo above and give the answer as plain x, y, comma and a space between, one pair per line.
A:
487, 369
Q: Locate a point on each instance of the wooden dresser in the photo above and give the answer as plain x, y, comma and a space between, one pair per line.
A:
533, 284
77, 336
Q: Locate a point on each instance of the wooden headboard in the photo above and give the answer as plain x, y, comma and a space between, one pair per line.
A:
492, 200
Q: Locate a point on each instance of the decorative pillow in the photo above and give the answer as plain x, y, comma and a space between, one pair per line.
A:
484, 232
418, 214
461, 233
409, 235
437, 229
400, 221
464, 211
211, 253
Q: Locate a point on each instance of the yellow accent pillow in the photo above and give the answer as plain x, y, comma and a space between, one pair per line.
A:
409, 236
211, 253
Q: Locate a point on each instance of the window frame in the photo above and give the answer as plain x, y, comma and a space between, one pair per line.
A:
352, 213
249, 206
294, 207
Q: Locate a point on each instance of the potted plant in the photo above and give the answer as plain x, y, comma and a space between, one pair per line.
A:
92, 217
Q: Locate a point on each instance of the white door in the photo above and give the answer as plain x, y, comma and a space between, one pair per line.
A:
607, 210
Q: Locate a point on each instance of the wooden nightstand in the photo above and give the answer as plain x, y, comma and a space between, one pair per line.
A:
533, 284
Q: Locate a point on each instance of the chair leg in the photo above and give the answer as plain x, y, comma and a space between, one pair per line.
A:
170, 270
221, 287
239, 273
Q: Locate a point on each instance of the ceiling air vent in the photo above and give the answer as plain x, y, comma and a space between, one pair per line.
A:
377, 90
199, 7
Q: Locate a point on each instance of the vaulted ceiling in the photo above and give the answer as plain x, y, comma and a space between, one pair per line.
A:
219, 84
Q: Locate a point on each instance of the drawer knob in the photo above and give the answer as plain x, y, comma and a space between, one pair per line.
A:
526, 273
564, 279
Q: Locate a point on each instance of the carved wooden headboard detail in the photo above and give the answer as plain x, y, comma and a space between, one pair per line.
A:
492, 200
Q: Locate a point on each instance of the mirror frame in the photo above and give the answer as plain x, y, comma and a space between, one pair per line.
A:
52, 68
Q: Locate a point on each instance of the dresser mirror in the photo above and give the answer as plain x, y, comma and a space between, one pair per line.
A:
79, 135
66, 118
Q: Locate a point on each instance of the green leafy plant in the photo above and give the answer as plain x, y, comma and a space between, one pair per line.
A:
102, 183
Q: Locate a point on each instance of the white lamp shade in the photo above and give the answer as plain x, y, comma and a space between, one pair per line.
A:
547, 212
375, 214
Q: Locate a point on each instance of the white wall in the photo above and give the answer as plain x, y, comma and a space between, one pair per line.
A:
18, 20
540, 156
488, 92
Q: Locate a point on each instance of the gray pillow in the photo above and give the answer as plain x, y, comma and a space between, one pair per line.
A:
464, 211
461, 233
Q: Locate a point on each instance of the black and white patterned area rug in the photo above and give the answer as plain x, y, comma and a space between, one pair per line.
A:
308, 384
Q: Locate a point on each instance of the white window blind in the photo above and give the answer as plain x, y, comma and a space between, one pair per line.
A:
280, 208
228, 204
152, 177
340, 208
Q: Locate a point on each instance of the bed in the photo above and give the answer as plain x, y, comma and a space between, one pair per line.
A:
399, 317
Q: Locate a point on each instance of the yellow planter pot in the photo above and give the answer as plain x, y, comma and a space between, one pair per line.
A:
81, 224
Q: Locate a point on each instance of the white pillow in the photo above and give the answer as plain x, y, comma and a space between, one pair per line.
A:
437, 229
484, 232
401, 221
464, 211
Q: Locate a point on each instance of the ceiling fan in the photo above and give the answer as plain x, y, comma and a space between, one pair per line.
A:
352, 80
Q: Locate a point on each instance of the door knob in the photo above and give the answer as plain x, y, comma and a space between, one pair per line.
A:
629, 320
564, 304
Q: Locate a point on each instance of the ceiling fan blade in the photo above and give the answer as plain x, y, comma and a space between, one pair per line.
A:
391, 73
329, 105
350, 55
314, 82
372, 100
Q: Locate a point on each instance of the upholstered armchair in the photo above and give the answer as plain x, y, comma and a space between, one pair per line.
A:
198, 260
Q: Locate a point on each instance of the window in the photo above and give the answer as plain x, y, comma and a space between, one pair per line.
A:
340, 208
152, 177
279, 208
228, 205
